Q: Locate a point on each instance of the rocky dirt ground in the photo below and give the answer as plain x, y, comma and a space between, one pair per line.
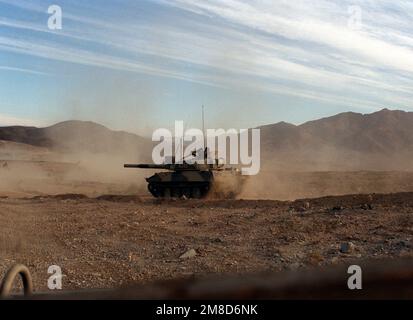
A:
112, 241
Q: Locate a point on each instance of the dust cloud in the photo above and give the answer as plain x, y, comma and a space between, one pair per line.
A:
70, 167
326, 172
40, 171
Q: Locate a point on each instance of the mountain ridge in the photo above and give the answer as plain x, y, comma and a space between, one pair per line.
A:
76, 136
345, 140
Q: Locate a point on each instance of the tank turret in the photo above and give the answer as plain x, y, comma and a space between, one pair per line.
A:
192, 180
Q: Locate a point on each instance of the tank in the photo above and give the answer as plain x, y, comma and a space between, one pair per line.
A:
183, 180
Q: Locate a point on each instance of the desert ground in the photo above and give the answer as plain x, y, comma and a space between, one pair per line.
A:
113, 241
104, 230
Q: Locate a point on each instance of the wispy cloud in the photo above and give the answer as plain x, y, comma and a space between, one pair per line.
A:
295, 48
30, 71
305, 27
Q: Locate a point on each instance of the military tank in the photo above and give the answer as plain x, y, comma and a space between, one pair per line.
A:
190, 180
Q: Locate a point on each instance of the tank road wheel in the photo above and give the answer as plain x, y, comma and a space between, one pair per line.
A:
167, 193
186, 192
153, 190
205, 191
196, 193
175, 193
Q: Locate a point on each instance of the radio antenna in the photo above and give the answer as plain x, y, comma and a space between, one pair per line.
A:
203, 132
203, 120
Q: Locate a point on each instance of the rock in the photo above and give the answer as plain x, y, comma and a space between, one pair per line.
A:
188, 255
302, 208
314, 258
300, 256
334, 260
294, 266
366, 206
404, 243
347, 247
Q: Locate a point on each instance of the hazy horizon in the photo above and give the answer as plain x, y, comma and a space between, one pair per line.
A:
149, 134
137, 66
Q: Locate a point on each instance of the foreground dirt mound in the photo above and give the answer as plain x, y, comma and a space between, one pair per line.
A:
67, 196
290, 185
110, 242
119, 198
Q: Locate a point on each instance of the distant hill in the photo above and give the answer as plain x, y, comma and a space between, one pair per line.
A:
348, 141
77, 136
380, 140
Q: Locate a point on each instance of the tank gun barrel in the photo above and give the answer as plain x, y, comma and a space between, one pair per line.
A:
179, 167
147, 166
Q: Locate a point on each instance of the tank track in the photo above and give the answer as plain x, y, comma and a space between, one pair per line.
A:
189, 192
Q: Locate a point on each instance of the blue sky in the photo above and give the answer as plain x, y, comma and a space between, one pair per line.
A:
140, 65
